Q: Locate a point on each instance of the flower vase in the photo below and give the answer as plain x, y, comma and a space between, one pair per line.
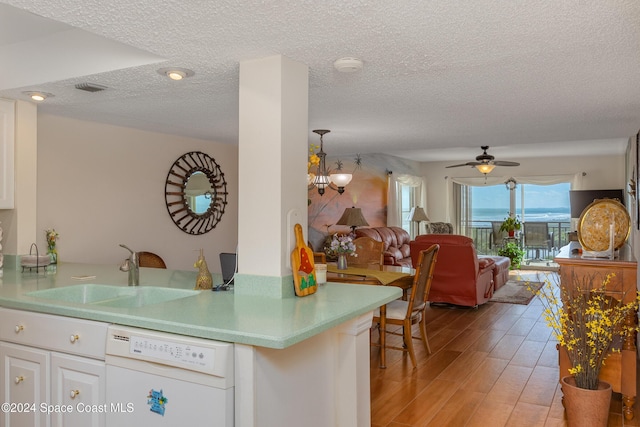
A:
342, 261
53, 255
586, 407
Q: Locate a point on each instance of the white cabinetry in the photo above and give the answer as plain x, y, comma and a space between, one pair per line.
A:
78, 383
51, 362
7, 160
25, 385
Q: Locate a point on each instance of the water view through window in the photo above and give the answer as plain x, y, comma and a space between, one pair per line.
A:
542, 203
490, 205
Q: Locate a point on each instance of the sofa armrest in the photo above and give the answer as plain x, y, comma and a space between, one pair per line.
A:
389, 259
484, 263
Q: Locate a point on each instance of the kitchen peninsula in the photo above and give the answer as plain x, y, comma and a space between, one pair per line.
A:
296, 360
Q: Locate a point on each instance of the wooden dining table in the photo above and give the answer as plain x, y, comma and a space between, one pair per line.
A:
386, 275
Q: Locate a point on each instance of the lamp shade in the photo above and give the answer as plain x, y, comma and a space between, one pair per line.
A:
485, 168
352, 217
341, 179
417, 214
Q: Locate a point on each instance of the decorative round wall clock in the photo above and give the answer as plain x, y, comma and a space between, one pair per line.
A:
196, 193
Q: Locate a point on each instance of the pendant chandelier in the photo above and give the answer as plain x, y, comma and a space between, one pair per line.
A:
323, 178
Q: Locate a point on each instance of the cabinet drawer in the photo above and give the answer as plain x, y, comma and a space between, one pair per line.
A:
64, 334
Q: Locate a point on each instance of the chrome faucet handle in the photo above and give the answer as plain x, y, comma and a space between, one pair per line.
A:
126, 266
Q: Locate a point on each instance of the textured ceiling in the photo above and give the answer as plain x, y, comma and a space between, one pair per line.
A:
440, 78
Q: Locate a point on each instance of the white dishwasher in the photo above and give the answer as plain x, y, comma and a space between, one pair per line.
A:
160, 379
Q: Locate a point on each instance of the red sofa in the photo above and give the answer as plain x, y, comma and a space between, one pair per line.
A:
396, 243
460, 277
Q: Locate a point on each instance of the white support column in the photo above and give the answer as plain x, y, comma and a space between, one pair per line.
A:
321, 381
273, 146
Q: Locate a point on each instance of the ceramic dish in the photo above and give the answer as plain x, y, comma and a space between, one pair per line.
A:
595, 223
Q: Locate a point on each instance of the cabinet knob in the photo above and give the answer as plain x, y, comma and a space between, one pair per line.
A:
19, 379
19, 328
74, 393
74, 338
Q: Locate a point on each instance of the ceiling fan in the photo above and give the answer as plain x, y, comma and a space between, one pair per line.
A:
486, 162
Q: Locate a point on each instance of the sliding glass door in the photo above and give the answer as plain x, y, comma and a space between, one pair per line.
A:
480, 207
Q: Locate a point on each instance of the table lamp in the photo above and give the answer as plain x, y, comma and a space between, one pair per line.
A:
418, 215
353, 218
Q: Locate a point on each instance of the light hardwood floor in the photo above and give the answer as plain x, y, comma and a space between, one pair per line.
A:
492, 366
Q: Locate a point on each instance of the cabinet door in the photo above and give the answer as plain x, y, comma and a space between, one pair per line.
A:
24, 376
78, 383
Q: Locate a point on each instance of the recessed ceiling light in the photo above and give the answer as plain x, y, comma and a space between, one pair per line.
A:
348, 65
176, 73
38, 96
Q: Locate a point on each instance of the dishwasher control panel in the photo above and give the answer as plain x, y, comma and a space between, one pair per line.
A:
171, 350
177, 354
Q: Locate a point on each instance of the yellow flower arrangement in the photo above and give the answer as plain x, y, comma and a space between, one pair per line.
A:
314, 160
585, 321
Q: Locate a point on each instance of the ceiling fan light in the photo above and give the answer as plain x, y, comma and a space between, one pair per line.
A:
485, 168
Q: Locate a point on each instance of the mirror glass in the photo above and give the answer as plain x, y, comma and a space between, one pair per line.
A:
199, 193
196, 193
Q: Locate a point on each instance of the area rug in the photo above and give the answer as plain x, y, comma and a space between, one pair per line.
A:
516, 292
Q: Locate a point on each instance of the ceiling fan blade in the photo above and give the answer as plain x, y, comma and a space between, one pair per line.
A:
464, 164
505, 163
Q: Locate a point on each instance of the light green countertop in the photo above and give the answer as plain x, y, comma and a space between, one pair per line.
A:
254, 320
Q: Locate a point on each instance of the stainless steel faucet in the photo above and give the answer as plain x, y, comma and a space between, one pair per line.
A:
132, 265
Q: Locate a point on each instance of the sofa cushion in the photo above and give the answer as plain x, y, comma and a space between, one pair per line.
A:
501, 270
396, 243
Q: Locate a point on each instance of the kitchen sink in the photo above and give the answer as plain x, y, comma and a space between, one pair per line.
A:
113, 296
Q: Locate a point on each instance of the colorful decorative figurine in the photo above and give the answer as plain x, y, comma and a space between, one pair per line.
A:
204, 280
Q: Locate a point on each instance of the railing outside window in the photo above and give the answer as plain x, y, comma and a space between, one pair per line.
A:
481, 235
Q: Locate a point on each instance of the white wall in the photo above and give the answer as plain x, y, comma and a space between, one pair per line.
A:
602, 172
102, 185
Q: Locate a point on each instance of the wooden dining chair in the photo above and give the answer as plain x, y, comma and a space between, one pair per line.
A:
368, 252
319, 258
149, 259
408, 313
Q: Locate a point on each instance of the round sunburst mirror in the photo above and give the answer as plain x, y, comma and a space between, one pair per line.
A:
196, 193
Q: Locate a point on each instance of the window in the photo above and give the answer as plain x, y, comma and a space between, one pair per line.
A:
479, 206
407, 201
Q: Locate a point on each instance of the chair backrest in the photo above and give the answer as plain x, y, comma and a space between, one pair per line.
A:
536, 234
440, 228
149, 259
423, 278
368, 252
319, 258
497, 236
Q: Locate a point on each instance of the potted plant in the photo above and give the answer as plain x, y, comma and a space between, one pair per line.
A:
512, 251
510, 225
586, 321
